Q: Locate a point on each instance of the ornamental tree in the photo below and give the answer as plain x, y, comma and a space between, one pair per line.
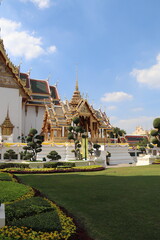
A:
155, 133
117, 132
53, 155
34, 145
73, 133
10, 154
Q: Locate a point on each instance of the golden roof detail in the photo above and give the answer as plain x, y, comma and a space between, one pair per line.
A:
7, 122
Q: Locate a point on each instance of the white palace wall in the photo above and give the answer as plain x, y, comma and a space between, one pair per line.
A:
11, 101
32, 117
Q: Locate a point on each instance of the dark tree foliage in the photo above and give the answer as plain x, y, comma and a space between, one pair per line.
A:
117, 132
10, 154
34, 145
155, 133
73, 133
144, 142
53, 155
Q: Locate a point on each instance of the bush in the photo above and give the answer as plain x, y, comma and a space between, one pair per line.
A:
5, 177
53, 155
96, 146
25, 208
50, 165
66, 164
13, 165
156, 132
10, 154
48, 222
156, 123
56, 164
76, 120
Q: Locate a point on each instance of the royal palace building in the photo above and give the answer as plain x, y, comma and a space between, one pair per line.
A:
32, 103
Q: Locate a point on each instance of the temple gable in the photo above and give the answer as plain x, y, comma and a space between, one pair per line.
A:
6, 76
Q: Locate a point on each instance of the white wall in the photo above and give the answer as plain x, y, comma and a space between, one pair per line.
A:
32, 120
12, 101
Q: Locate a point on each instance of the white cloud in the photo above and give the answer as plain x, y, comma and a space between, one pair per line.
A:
21, 43
116, 97
52, 49
138, 109
129, 125
149, 76
111, 108
40, 3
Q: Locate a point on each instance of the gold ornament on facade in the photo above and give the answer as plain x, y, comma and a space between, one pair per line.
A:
7, 126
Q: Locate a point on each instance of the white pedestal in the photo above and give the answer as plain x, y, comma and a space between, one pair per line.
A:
2, 216
145, 160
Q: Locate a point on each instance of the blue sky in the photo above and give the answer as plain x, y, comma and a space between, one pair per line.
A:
114, 43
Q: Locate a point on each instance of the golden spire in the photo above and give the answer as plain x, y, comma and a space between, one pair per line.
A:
76, 95
77, 88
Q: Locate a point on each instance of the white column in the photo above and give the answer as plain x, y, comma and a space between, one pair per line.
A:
2, 215
62, 131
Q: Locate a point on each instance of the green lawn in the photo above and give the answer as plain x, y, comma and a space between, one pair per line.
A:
115, 204
10, 191
5, 177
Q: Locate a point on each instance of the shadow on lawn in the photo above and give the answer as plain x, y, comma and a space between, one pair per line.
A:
108, 207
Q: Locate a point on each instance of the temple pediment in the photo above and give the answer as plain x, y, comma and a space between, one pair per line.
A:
6, 76
84, 109
9, 74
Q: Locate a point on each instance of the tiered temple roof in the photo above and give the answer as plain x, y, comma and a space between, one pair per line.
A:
41, 92
59, 117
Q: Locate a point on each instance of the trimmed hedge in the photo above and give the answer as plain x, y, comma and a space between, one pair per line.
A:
57, 164
5, 177
55, 170
45, 222
25, 208
14, 165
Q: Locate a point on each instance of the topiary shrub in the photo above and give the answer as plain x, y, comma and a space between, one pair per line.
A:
10, 154
73, 133
53, 155
96, 146
34, 145
155, 133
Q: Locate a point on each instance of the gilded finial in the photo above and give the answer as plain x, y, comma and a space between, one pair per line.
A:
77, 88
56, 83
29, 72
8, 112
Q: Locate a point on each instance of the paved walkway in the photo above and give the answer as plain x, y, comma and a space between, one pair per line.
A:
121, 165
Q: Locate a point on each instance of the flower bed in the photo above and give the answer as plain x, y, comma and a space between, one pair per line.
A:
54, 170
50, 211
156, 161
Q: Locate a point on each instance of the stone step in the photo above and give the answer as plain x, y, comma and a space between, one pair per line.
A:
119, 155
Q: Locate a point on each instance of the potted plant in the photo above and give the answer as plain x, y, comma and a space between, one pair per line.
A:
97, 152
